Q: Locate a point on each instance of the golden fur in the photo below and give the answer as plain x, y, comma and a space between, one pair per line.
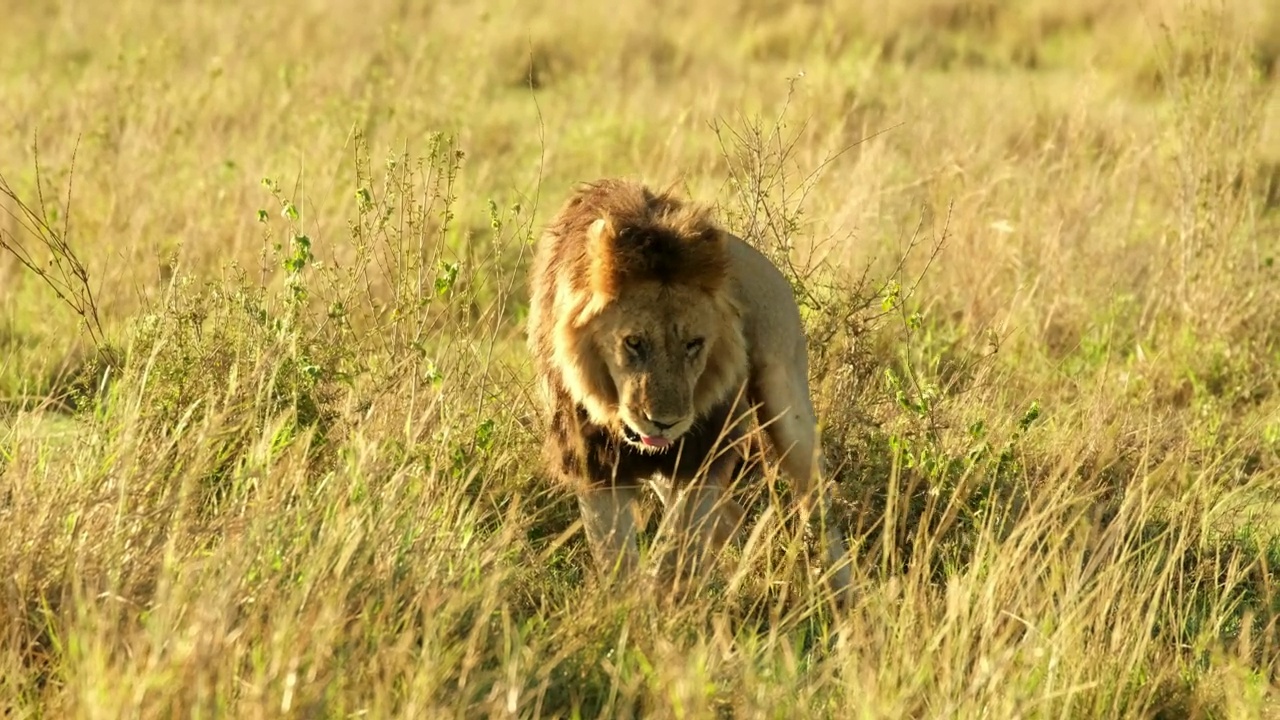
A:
614, 236
651, 330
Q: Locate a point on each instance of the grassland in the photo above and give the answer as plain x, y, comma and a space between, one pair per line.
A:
267, 436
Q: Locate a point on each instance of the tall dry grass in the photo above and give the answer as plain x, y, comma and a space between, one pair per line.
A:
267, 441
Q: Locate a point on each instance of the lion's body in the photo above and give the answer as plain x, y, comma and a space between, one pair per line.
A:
653, 333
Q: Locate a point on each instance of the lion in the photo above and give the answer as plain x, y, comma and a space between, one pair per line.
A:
653, 334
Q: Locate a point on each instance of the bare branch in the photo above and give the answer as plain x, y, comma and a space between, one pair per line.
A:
63, 271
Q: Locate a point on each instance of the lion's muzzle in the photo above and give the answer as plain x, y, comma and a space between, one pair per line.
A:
652, 433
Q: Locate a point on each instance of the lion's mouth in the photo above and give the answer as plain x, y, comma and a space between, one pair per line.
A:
646, 440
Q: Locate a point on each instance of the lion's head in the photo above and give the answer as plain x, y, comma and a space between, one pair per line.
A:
649, 336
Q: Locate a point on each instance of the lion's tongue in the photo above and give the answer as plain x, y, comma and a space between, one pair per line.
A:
654, 441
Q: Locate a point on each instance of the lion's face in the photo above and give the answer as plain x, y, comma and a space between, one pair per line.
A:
656, 342
646, 332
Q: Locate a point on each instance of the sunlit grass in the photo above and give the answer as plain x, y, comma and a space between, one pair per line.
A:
292, 470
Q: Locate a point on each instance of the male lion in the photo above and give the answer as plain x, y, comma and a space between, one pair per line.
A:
651, 331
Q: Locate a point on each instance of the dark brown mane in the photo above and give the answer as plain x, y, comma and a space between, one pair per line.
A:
631, 234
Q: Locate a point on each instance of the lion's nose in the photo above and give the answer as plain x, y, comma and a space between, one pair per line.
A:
659, 424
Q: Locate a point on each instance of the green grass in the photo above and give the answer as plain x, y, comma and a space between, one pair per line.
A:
289, 468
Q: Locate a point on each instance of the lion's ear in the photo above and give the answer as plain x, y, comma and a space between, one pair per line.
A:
602, 253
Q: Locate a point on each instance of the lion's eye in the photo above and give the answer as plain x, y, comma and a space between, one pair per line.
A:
694, 346
634, 343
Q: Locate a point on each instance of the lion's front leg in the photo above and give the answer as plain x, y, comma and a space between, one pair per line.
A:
608, 519
699, 520
723, 515
787, 415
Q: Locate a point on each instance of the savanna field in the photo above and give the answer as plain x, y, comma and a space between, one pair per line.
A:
269, 439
